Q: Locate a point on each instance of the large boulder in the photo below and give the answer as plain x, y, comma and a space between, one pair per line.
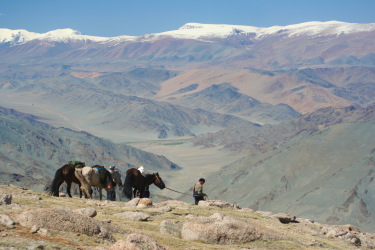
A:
219, 229
134, 216
87, 211
133, 202
63, 219
170, 227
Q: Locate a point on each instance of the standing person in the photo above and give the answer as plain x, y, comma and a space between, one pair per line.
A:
142, 170
112, 187
146, 192
198, 191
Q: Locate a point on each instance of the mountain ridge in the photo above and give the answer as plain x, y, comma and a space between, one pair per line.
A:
196, 31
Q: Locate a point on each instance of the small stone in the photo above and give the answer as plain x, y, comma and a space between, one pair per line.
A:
6, 199
34, 229
144, 202
6, 220
43, 231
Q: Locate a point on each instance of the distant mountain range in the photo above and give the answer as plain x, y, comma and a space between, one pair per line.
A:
196, 31
297, 101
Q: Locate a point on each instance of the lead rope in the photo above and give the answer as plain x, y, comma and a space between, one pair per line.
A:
185, 193
179, 192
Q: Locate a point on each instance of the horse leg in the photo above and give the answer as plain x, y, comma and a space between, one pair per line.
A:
57, 190
68, 186
100, 193
80, 190
141, 192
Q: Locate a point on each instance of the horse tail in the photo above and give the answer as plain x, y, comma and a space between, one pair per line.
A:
85, 186
127, 189
53, 189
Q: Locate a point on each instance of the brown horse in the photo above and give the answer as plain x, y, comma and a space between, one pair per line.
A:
65, 173
134, 179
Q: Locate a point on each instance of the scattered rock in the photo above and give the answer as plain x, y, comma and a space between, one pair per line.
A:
247, 210
88, 211
133, 202
219, 232
134, 216
218, 203
170, 227
137, 241
164, 209
173, 203
61, 219
36, 246
6, 220
34, 229
144, 202
217, 216
43, 231
331, 233
348, 228
284, 218
6, 199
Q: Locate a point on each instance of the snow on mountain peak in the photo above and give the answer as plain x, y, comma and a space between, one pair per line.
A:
204, 31
60, 35
198, 31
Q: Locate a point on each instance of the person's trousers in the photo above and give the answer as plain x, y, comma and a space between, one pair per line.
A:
197, 199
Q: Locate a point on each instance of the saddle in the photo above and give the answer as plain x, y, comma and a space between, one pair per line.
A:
102, 174
77, 164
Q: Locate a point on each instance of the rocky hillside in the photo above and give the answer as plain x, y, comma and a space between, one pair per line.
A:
325, 171
263, 138
32, 220
31, 151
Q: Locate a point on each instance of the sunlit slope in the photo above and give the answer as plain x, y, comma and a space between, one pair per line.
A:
327, 175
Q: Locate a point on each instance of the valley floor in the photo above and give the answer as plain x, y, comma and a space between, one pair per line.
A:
196, 162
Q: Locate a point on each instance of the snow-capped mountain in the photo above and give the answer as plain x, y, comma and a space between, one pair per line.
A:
277, 47
199, 31
196, 31
14, 37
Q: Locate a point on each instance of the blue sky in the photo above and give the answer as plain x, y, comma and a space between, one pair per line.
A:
122, 17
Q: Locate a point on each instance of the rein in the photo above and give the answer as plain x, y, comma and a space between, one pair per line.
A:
178, 192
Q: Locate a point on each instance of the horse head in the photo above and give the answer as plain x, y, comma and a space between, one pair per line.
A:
158, 181
116, 177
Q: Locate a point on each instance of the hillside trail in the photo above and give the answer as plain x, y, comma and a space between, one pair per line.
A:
196, 162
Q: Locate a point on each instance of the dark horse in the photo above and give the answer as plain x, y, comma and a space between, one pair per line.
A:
134, 179
65, 173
